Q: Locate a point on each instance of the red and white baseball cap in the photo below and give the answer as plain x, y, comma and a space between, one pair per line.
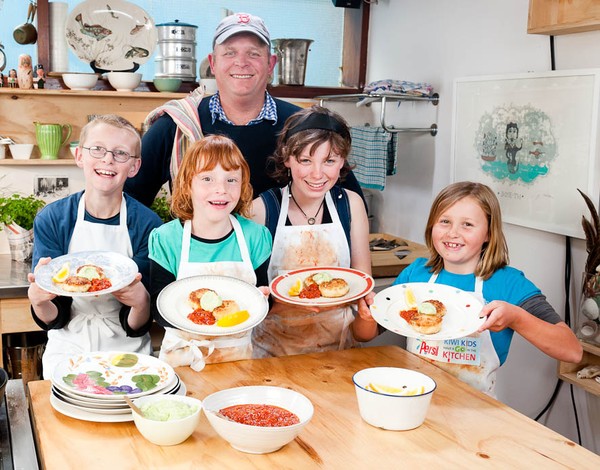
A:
241, 23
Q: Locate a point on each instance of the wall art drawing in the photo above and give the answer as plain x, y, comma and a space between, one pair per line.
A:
533, 139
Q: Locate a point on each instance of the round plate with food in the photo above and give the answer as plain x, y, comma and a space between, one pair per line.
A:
212, 305
86, 273
321, 287
427, 311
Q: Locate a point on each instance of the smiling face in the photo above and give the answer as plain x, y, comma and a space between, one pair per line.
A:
106, 175
215, 193
315, 171
458, 235
242, 66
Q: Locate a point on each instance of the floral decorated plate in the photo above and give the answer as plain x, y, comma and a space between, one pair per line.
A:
110, 375
113, 35
118, 269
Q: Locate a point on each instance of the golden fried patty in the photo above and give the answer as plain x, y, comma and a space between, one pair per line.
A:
426, 324
440, 308
227, 307
337, 287
196, 295
90, 272
76, 284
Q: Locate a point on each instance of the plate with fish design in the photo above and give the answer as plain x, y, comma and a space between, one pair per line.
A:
113, 35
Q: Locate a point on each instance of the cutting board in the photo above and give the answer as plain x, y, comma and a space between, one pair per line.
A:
389, 263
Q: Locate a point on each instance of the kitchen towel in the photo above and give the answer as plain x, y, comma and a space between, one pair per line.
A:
373, 155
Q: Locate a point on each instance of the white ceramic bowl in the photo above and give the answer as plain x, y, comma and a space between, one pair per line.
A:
167, 433
210, 85
73, 146
21, 151
257, 439
391, 411
80, 81
124, 81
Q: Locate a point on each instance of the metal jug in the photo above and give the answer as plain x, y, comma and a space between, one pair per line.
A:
50, 138
291, 60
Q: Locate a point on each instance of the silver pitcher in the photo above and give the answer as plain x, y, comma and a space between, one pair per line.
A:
291, 58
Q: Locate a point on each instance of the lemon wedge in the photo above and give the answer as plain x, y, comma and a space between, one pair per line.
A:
296, 288
409, 297
233, 319
62, 274
380, 388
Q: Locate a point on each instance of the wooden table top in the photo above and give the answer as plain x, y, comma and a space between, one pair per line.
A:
464, 428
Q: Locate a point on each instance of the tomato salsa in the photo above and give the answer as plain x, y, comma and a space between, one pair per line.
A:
202, 317
310, 292
260, 415
99, 284
408, 314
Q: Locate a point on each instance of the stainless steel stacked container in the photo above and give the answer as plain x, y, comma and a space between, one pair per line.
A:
176, 53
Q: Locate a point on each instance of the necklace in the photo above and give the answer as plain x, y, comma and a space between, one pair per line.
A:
310, 220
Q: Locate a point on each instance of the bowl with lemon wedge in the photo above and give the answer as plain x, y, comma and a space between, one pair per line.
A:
393, 398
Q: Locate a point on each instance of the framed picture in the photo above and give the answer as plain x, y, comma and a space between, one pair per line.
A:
533, 139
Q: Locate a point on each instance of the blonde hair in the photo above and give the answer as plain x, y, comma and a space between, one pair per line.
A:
115, 121
205, 155
494, 253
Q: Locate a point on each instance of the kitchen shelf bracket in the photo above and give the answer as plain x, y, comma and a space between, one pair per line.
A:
384, 98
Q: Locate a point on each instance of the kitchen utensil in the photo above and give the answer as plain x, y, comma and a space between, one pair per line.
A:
25, 34
132, 405
175, 30
292, 55
176, 67
50, 138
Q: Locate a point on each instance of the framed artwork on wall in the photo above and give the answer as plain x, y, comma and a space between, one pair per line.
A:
533, 139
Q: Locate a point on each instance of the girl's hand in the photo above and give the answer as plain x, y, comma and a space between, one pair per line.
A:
363, 306
265, 290
134, 294
500, 315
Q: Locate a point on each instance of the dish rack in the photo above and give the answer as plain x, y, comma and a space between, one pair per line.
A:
384, 98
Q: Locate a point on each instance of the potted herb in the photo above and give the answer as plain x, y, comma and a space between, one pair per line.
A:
162, 206
16, 216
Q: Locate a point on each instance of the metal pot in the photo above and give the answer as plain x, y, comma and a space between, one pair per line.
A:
176, 68
176, 31
291, 60
171, 48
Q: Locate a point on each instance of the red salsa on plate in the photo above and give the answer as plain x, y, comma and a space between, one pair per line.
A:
99, 284
310, 292
202, 317
260, 415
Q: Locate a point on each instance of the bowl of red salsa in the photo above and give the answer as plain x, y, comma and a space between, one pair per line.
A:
258, 419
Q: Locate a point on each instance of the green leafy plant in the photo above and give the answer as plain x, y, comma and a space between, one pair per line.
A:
20, 210
162, 206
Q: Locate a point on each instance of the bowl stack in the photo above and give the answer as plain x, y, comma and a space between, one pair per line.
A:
176, 52
92, 386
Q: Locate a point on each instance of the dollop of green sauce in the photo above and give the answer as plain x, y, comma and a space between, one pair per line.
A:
167, 410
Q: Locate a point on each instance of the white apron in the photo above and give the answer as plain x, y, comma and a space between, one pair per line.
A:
472, 359
94, 324
180, 348
300, 246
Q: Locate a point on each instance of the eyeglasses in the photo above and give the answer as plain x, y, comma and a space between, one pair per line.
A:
119, 155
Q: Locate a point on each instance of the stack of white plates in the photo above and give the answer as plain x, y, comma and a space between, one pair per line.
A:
91, 386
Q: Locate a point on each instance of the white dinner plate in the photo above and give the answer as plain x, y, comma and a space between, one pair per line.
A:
173, 303
118, 268
113, 35
462, 310
360, 285
77, 413
102, 375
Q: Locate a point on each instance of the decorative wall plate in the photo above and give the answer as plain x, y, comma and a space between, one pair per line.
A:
113, 35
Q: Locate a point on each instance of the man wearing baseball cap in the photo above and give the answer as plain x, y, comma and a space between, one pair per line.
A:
242, 109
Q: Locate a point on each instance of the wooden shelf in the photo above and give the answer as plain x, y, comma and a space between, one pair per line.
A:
568, 371
37, 162
554, 17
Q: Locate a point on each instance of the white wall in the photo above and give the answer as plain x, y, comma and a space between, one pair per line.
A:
436, 42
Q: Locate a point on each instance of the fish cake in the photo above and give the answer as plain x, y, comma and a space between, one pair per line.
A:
90, 272
337, 287
440, 308
227, 307
76, 284
426, 324
196, 295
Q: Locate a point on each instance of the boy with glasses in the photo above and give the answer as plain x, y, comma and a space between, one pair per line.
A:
100, 218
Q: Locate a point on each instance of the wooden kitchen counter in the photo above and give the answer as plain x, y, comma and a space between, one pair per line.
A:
463, 429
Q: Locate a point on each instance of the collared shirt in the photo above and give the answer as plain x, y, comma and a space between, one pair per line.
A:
267, 113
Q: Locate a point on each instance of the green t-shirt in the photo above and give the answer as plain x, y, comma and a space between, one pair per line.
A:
165, 245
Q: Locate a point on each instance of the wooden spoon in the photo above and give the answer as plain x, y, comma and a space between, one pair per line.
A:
132, 405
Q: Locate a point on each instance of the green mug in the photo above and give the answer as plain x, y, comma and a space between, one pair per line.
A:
50, 138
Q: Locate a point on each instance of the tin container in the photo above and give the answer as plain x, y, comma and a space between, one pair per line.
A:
176, 31
176, 68
171, 48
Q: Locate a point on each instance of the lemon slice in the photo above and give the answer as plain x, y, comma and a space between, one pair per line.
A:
62, 274
296, 288
409, 297
380, 388
233, 319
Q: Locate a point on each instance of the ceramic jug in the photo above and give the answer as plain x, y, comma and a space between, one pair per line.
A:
50, 138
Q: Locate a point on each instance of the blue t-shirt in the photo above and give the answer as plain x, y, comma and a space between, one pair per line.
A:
506, 284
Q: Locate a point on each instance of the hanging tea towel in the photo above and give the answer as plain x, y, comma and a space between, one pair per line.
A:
373, 155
